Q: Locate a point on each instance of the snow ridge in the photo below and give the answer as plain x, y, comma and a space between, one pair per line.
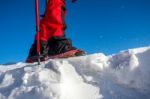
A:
120, 76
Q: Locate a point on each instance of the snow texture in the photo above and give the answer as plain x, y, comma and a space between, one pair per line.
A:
120, 76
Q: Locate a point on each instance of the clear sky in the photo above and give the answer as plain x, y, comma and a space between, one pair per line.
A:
106, 26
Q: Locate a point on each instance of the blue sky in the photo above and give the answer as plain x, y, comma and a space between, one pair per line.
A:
106, 26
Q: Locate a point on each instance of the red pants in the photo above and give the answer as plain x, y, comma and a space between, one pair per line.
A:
52, 24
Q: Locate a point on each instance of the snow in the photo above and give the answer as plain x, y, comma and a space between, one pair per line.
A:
119, 76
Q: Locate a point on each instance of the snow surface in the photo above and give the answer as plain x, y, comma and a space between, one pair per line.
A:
120, 76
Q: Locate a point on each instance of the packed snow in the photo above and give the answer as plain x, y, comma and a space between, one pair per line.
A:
119, 76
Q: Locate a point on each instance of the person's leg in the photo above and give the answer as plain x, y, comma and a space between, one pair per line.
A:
52, 28
33, 56
52, 24
57, 41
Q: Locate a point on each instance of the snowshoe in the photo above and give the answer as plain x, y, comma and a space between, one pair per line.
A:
56, 47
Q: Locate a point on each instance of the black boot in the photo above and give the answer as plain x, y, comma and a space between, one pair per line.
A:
33, 56
61, 47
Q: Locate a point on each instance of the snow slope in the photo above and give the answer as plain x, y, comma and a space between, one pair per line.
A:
120, 76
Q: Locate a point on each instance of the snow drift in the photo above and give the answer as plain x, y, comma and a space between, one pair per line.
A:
119, 76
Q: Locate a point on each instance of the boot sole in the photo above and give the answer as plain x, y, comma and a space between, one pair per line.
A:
71, 53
